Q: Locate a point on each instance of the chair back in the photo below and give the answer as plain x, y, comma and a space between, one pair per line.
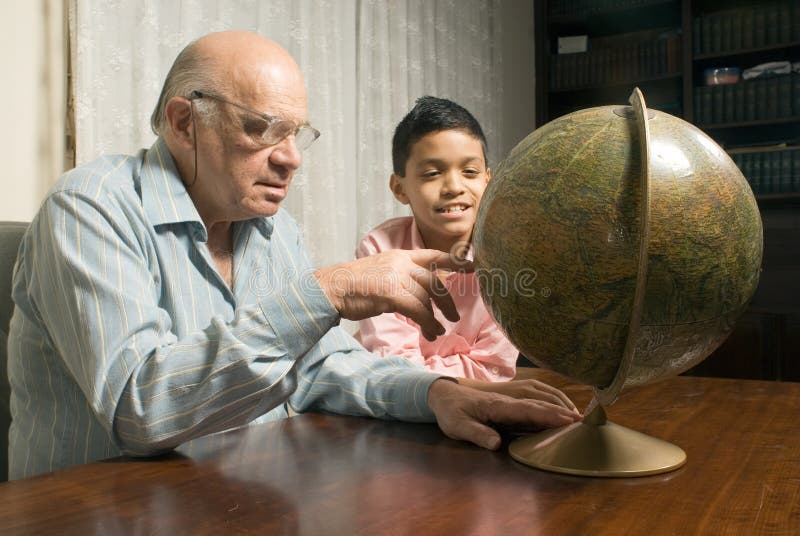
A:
10, 236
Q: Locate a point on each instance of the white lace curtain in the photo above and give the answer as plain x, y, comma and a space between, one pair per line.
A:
365, 62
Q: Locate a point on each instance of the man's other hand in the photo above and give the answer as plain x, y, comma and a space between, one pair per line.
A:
531, 389
471, 415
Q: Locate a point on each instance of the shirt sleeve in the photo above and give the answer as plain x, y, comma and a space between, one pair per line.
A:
339, 375
98, 298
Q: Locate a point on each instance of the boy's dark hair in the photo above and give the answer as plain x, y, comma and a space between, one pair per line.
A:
431, 114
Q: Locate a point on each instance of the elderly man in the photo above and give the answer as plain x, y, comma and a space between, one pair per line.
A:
164, 296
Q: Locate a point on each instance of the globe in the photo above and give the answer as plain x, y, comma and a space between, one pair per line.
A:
617, 246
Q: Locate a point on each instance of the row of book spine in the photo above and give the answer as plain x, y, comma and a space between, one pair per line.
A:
746, 28
773, 172
582, 8
646, 59
770, 98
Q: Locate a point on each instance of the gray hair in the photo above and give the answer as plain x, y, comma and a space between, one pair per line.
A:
191, 71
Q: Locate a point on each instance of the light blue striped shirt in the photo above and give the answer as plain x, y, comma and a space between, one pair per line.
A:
125, 339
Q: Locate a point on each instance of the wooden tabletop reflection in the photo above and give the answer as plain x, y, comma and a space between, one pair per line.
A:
315, 474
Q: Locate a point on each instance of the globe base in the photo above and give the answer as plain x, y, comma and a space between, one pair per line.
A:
596, 447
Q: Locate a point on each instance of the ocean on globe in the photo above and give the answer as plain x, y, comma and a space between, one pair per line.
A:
556, 245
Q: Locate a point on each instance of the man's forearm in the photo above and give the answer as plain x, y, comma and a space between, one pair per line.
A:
206, 382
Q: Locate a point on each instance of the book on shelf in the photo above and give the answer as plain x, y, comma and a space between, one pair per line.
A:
736, 29
745, 27
716, 33
707, 105
795, 21
750, 100
767, 179
796, 171
786, 182
728, 103
772, 26
697, 36
784, 96
795, 92
761, 98
772, 97
758, 99
619, 58
738, 102
759, 28
705, 23
784, 23
717, 104
726, 29
758, 183
748, 33
770, 172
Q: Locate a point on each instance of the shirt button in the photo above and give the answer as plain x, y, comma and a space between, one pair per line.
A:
495, 371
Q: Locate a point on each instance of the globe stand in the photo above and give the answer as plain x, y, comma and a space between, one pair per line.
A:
596, 447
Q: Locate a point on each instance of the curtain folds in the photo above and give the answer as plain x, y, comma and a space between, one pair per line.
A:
365, 62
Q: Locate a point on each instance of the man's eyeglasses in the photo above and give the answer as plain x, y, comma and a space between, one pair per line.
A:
270, 130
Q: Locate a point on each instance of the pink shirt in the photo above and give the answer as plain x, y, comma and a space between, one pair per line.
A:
473, 347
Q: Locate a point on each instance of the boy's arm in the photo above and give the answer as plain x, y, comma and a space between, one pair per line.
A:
390, 334
491, 358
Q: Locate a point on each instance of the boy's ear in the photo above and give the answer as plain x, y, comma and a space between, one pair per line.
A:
396, 186
178, 113
488, 174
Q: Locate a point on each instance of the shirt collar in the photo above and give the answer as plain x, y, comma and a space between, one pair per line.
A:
165, 199
416, 237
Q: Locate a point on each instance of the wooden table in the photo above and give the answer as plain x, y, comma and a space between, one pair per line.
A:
321, 475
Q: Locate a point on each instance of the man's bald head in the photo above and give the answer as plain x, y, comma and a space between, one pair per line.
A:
229, 62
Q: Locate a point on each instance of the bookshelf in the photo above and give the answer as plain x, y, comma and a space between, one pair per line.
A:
665, 47
630, 42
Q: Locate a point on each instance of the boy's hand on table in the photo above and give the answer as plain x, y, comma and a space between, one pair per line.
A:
402, 281
530, 389
471, 415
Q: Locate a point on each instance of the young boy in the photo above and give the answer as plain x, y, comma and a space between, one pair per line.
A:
440, 170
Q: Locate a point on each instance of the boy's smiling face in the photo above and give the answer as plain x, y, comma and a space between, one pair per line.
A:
445, 177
